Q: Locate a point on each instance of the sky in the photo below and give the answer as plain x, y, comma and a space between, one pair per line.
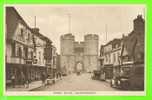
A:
53, 20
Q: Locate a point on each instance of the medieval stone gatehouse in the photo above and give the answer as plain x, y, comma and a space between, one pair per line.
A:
83, 54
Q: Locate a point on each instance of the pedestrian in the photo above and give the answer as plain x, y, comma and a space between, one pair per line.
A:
26, 82
116, 78
13, 80
60, 76
43, 78
22, 79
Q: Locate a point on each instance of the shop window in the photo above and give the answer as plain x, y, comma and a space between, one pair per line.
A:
129, 58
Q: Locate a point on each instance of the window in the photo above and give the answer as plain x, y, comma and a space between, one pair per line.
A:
19, 52
118, 57
31, 55
129, 58
39, 57
139, 71
26, 52
109, 58
13, 49
114, 57
28, 37
106, 58
21, 32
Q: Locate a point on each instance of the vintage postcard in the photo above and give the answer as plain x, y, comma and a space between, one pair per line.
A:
76, 49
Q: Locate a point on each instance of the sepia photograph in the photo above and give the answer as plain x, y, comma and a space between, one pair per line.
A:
65, 49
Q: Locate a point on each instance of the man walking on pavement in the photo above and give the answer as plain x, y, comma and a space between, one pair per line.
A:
43, 78
26, 82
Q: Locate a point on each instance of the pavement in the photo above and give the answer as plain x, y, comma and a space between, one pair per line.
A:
32, 86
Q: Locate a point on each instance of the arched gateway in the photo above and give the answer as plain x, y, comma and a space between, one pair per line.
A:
79, 66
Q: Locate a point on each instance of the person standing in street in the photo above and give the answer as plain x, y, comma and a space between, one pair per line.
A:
13, 80
43, 78
26, 82
22, 79
60, 75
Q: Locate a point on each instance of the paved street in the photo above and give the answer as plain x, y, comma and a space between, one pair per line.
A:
78, 83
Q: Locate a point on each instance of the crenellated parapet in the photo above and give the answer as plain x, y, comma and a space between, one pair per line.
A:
91, 37
68, 36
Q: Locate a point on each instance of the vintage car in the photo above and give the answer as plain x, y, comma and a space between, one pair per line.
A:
136, 79
130, 77
50, 79
102, 75
96, 74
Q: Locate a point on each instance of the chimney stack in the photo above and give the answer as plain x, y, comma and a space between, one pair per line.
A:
35, 30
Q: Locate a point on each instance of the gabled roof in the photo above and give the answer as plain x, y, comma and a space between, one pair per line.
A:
36, 32
12, 20
128, 44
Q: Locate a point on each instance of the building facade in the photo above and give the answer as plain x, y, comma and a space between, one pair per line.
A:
53, 62
39, 59
82, 53
19, 46
110, 57
116, 56
133, 44
25, 49
129, 50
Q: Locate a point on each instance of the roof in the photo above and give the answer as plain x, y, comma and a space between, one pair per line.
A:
36, 32
12, 20
113, 42
128, 42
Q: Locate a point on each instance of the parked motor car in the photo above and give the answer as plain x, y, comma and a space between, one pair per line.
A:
102, 75
131, 77
64, 74
50, 79
78, 73
96, 75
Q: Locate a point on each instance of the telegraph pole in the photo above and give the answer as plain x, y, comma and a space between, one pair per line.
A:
69, 22
144, 13
106, 32
34, 21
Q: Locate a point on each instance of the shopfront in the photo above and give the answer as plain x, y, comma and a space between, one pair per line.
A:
108, 69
